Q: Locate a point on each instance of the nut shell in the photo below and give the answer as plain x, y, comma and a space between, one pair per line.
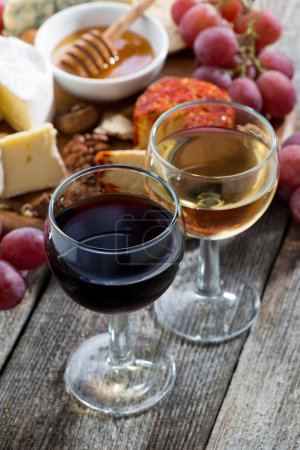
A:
80, 118
80, 152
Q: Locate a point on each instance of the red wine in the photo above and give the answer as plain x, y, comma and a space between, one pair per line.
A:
123, 262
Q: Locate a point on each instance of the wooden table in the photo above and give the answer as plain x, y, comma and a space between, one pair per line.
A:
244, 394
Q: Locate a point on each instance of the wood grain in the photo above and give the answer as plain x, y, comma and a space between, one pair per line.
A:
262, 408
12, 321
182, 421
11, 220
261, 369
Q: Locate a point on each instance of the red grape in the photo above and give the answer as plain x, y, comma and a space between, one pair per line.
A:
196, 19
293, 139
24, 248
295, 205
12, 286
267, 26
290, 166
23, 273
1, 14
284, 192
230, 9
216, 75
275, 60
242, 21
215, 46
234, 63
245, 91
267, 29
278, 93
250, 70
179, 7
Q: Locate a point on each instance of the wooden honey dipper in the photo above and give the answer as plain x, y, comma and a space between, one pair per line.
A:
92, 53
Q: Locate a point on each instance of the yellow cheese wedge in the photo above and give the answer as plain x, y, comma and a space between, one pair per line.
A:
129, 182
126, 157
30, 161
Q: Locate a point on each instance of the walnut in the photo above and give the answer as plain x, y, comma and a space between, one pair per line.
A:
80, 152
28, 210
80, 118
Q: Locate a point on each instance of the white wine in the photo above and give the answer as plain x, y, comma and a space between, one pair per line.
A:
227, 178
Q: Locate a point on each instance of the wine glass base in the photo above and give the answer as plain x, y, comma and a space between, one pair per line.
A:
120, 390
213, 319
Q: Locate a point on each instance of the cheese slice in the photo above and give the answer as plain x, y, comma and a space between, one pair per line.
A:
124, 157
26, 85
30, 161
128, 181
19, 15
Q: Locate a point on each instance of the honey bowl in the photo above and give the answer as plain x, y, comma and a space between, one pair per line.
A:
64, 25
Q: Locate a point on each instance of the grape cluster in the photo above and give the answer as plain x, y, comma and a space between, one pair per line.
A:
289, 178
20, 250
230, 39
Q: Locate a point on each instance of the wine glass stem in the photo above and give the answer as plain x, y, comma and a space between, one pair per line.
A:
208, 276
119, 353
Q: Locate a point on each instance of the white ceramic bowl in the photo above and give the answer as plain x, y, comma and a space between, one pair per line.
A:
72, 19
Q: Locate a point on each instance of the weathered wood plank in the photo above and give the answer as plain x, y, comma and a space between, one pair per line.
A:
38, 414
35, 411
13, 320
262, 407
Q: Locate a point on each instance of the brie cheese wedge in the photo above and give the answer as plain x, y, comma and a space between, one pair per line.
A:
26, 85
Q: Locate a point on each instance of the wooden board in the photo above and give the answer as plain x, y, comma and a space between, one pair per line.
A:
261, 409
257, 374
12, 321
39, 414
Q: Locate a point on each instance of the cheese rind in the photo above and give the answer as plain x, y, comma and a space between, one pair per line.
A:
26, 85
30, 161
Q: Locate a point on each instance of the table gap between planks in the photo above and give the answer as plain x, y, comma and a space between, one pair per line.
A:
243, 394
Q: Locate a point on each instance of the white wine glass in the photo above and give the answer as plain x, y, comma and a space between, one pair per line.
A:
222, 160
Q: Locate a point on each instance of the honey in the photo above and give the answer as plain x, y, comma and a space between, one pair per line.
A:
134, 52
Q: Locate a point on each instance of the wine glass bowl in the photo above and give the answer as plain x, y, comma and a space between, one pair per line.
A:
114, 240
225, 174
222, 160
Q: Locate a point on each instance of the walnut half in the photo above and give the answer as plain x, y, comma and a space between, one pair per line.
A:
79, 153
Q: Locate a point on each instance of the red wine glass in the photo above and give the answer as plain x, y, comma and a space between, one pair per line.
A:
114, 240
